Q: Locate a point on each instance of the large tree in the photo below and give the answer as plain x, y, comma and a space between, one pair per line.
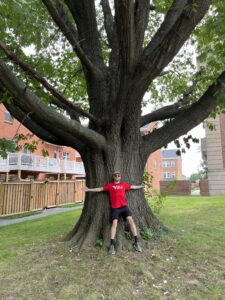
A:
108, 54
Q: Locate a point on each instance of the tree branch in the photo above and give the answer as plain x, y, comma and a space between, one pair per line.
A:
110, 27
179, 23
53, 135
108, 21
170, 111
124, 20
65, 17
185, 121
23, 97
72, 113
141, 15
124, 16
167, 112
61, 100
25, 120
71, 38
84, 15
172, 16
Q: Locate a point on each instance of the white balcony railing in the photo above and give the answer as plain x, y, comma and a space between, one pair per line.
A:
31, 162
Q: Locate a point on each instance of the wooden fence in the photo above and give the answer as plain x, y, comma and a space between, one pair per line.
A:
16, 197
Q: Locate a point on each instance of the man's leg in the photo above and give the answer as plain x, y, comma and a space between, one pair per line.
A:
113, 229
133, 229
112, 238
132, 225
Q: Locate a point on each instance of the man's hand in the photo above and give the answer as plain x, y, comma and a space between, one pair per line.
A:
85, 189
136, 187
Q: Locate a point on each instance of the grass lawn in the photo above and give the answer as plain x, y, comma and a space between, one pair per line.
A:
188, 263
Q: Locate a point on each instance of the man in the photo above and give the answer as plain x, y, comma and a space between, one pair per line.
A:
119, 208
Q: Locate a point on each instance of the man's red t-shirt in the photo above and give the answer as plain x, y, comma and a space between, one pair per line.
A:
117, 193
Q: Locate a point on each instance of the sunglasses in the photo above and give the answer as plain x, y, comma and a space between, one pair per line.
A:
116, 175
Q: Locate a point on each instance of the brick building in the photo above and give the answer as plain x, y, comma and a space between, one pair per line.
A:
171, 165
213, 151
62, 162
154, 162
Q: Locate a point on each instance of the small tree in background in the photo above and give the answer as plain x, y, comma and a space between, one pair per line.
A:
195, 176
203, 172
154, 198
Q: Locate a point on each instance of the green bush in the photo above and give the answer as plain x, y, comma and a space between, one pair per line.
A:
99, 243
155, 200
147, 234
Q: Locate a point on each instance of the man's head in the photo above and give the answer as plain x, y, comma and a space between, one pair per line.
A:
116, 176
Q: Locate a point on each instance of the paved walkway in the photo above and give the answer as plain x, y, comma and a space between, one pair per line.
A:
45, 213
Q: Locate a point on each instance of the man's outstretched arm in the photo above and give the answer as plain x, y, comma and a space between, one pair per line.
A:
136, 187
98, 189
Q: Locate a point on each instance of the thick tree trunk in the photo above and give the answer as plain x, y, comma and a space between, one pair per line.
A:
115, 88
94, 223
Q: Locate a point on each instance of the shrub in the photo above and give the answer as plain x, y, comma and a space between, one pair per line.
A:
155, 199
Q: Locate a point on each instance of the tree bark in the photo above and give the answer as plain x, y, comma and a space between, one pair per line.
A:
94, 223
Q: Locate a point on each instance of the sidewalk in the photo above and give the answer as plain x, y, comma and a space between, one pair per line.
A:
45, 213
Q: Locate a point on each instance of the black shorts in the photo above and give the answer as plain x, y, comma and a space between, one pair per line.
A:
122, 211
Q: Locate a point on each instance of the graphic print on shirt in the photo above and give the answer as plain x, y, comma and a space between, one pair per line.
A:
117, 193
117, 187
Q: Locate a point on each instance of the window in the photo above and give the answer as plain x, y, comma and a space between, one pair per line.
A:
172, 163
8, 118
166, 175
166, 163
66, 155
173, 175
155, 164
56, 154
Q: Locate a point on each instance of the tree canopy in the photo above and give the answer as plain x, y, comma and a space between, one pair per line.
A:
53, 53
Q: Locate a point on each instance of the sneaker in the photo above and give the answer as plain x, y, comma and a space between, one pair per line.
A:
112, 250
137, 247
